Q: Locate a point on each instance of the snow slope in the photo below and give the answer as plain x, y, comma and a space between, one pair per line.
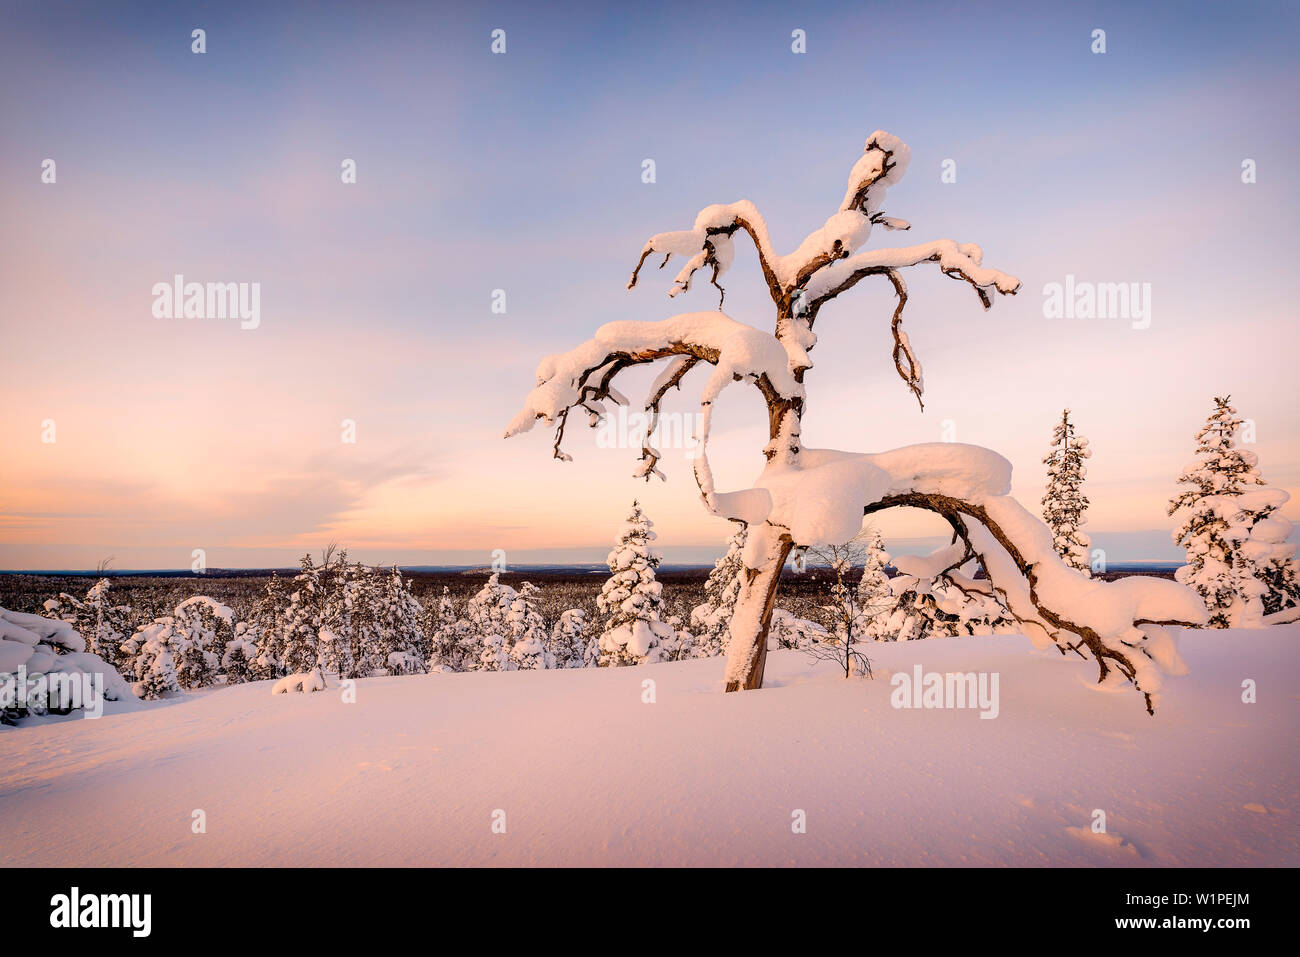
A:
587, 774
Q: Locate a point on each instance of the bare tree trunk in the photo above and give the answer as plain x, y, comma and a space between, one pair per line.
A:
747, 647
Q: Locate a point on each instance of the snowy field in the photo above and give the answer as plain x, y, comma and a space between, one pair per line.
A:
588, 774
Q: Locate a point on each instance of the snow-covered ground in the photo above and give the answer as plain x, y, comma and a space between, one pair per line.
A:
586, 773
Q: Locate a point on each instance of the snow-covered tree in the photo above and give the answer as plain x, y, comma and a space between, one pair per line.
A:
529, 640
1238, 558
402, 648
487, 646
206, 627
1064, 504
591, 651
266, 630
194, 642
568, 639
52, 654
303, 619
103, 624
631, 598
804, 496
239, 660
448, 634
680, 643
494, 653
153, 664
347, 618
875, 597
711, 618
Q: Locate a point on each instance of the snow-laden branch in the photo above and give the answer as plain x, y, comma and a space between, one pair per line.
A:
709, 242
957, 260
820, 496
583, 376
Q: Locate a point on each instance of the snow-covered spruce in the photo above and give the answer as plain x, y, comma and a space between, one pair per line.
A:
569, 642
204, 628
448, 635
1235, 537
529, 640
303, 620
48, 649
182, 650
348, 619
711, 619
152, 660
239, 661
805, 496
1064, 503
104, 625
875, 597
486, 647
680, 644
265, 629
631, 598
401, 645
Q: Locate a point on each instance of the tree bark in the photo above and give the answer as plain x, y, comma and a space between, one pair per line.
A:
747, 648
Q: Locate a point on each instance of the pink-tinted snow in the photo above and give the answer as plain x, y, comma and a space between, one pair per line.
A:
589, 774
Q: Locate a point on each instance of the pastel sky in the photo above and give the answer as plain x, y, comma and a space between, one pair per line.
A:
522, 172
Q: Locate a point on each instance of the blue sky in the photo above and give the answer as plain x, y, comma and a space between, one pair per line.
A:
522, 172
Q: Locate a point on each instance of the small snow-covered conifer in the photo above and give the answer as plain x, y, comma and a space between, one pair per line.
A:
1064, 504
528, 636
304, 619
568, 642
203, 628
266, 628
446, 634
149, 651
631, 598
487, 612
240, 656
402, 646
345, 617
876, 599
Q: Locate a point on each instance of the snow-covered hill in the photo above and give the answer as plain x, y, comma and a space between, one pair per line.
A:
586, 773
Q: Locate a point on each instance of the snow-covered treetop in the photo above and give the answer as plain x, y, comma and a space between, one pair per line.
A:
709, 241
218, 609
1219, 467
